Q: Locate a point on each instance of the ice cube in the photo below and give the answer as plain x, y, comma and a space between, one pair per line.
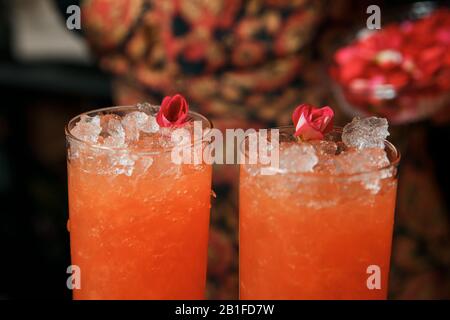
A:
372, 162
137, 121
325, 151
148, 108
87, 129
358, 161
366, 133
115, 133
122, 163
297, 157
132, 123
324, 147
130, 127
150, 125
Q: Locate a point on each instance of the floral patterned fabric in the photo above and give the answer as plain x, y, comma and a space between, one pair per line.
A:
222, 55
249, 63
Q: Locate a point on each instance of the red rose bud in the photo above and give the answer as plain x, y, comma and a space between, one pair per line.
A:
312, 123
173, 111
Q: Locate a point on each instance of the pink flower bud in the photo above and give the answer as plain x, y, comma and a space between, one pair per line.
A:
312, 123
173, 111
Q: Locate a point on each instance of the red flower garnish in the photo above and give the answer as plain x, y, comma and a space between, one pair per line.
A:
173, 111
312, 123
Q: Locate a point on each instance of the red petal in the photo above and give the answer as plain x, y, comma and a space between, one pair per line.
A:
323, 119
312, 123
307, 132
304, 109
173, 111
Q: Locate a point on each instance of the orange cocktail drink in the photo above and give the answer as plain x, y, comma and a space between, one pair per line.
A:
138, 222
321, 226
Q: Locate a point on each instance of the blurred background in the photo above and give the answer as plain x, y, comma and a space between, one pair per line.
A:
243, 63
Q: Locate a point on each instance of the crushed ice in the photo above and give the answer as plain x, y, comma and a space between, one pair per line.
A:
366, 133
87, 129
136, 122
113, 131
298, 157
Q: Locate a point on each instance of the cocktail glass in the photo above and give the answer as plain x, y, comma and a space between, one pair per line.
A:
138, 222
316, 236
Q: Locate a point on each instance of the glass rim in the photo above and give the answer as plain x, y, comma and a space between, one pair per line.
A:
193, 114
389, 145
